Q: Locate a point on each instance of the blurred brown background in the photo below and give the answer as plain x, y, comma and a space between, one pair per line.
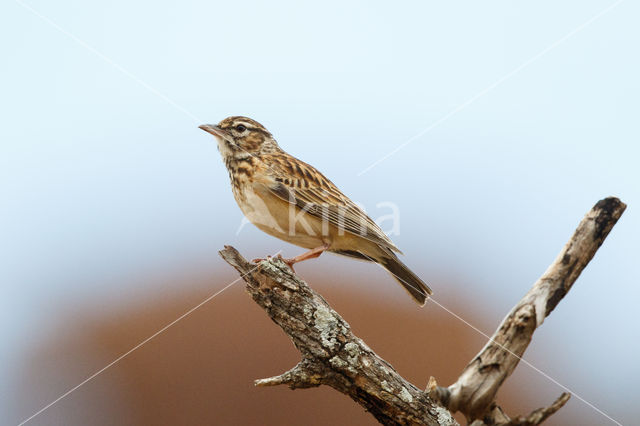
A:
201, 370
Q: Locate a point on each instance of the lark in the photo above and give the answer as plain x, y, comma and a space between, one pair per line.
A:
291, 200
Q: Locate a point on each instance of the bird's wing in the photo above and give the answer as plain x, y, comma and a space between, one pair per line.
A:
301, 184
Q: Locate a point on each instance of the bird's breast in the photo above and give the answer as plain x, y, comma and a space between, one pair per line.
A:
242, 173
267, 213
276, 217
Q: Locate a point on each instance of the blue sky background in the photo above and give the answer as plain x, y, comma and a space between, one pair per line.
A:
105, 177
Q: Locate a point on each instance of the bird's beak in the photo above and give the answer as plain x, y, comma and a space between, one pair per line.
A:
215, 131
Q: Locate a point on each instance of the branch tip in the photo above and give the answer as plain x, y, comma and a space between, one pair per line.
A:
538, 416
271, 381
298, 377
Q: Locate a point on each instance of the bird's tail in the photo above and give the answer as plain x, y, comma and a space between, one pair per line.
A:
410, 281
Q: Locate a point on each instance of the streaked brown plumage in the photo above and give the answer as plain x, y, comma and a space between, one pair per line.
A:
291, 200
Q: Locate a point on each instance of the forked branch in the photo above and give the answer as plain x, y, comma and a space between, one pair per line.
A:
475, 390
332, 355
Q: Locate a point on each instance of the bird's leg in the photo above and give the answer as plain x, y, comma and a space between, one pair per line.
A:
311, 254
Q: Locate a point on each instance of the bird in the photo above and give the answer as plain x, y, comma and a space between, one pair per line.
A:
291, 200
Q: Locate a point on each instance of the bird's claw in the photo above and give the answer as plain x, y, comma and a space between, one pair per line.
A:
288, 262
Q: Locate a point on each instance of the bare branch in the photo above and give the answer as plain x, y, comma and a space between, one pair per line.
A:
331, 354
541, 414
476, 388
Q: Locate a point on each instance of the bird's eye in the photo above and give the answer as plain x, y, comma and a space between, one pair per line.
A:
241, 128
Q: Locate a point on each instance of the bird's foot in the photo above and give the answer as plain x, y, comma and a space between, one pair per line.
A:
311, 254
288, 262
260, 259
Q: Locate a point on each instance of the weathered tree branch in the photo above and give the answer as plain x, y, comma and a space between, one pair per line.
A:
332, 355
475, 390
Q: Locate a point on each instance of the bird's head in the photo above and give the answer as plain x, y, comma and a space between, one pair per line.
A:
241, 137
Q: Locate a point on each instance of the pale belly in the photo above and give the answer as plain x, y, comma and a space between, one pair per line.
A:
281, 219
